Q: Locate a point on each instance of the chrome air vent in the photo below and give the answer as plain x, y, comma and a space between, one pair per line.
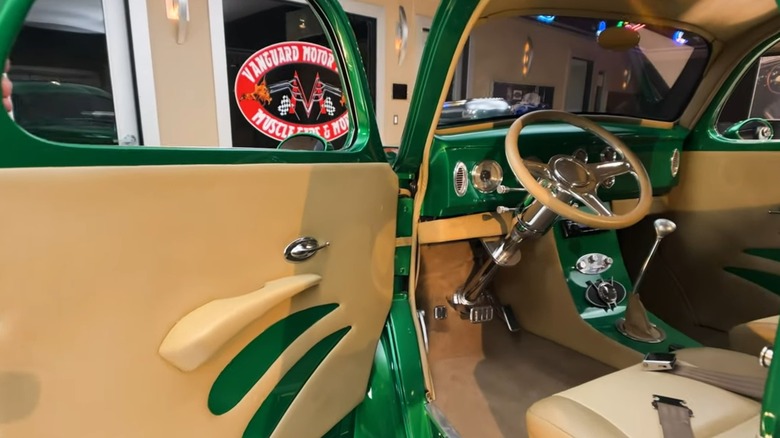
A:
460, 178
675, 162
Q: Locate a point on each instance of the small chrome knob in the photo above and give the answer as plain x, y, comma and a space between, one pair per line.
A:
502, 189
664, 227
765, 357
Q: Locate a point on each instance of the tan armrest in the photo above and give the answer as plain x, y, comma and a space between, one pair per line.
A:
202, 332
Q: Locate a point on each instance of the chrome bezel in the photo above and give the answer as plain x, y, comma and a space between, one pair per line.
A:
460, 167
674, 162
581, 154
486, 186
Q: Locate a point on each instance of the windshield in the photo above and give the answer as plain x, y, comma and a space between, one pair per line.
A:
514, 65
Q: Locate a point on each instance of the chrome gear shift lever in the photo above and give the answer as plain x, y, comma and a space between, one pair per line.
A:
663, 228
636, 325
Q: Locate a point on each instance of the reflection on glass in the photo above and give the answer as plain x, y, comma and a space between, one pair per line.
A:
60, 70
651, 75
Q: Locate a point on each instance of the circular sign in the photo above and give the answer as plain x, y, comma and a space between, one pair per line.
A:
292, 87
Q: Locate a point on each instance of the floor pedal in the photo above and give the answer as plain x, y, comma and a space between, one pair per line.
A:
509, 318
480, 314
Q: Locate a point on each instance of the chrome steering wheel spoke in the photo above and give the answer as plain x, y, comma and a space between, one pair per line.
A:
592, 201
609, 169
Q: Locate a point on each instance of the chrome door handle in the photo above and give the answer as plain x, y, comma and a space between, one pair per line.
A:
303, 248
775, 210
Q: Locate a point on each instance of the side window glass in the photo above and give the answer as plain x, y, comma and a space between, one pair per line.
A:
752, 111
63, 85
78, 79
283, 76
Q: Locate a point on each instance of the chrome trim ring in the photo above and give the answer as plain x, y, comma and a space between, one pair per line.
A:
675, 162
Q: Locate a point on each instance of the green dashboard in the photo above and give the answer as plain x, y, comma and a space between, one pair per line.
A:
452, 182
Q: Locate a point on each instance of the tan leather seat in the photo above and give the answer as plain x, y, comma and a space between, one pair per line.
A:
752, 336
619, 404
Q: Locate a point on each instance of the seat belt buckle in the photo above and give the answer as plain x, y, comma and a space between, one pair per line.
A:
659, 361
671, 402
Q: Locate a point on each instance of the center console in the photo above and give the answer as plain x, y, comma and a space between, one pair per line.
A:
600, 285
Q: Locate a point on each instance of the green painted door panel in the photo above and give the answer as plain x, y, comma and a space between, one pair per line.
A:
654, 146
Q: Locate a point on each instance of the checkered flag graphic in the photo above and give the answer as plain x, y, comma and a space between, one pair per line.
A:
284, 106
329, 108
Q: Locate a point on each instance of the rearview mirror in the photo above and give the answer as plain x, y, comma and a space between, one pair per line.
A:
619, 39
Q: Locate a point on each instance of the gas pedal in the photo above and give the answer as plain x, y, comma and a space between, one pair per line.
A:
510, 319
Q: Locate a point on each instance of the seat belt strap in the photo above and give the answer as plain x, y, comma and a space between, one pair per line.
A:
674, 416
745, 385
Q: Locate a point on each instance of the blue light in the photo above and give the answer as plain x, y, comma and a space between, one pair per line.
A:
602, 27
679, 38
546, 18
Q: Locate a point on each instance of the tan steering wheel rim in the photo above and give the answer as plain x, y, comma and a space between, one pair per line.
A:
543, 195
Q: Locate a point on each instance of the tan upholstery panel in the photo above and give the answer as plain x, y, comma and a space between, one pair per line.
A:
721, 209
619, 404
98, 264
753, 336
536, 289
474, 226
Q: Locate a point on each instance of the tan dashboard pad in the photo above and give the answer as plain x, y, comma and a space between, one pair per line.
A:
562, 208
200, 334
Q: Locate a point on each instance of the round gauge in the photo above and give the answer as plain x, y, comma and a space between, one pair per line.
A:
610, 154
581, 155
487, 176
773, 80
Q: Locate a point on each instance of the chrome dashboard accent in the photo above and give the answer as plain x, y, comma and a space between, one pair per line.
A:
502, 189
594, 263
675, 162
581, 154
460, 179
486, 176
765, 357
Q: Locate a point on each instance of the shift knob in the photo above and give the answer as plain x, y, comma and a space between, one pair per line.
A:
663, 228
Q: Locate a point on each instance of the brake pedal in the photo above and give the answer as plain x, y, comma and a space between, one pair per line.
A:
480, 314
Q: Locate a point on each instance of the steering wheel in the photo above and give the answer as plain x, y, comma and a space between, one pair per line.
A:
571, 179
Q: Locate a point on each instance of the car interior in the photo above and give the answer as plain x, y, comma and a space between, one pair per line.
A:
551, 313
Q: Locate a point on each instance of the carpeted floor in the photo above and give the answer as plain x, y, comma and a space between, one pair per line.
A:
487, 396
